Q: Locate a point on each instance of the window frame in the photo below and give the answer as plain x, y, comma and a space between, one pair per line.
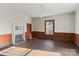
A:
53, 26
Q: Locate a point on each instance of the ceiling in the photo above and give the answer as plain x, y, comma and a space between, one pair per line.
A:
43, 9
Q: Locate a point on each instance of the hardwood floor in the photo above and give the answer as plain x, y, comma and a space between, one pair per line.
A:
65, 48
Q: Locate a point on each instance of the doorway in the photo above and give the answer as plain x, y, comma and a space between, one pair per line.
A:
29, 31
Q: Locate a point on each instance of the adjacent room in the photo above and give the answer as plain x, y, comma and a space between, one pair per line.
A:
39, 29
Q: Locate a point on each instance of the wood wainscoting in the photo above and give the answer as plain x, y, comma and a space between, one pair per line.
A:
56, 36
37, 34
64, 36
77, 39
5, 39
41, 35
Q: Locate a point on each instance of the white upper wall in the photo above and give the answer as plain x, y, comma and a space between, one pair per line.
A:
77, 22
63, 23
10, 16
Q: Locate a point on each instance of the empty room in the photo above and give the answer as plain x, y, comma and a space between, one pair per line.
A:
39, 29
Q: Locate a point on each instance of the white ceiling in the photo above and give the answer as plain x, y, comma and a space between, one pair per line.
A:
46, 9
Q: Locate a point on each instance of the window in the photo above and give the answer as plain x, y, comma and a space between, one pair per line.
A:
49, 27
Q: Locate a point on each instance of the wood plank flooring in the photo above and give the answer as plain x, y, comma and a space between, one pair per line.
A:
65, 48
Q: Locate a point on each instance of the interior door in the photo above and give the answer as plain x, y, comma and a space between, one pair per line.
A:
29, 31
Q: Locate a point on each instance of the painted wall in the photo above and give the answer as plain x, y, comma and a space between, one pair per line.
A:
63, 23
9, 16
77, 27
77, 22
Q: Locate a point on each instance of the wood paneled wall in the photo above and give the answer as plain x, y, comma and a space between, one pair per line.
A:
36, 34
77, 39
55, 36
5, 39
64, 36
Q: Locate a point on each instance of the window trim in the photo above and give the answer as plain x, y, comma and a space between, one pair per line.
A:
53, 26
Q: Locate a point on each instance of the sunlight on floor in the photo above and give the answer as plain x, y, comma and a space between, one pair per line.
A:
19, 51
